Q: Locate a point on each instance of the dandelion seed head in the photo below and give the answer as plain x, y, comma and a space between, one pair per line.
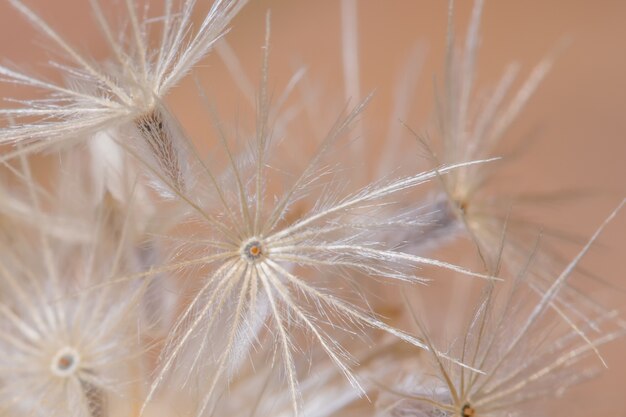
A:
60, 337
259, 261
124, 94
506, 339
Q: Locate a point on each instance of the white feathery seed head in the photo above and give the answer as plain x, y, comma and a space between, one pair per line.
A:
65, 350
527, 348
125, 91
258, 258
68, 340
470, 126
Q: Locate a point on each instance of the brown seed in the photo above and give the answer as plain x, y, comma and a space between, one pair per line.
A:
253, 250
468, 411
65, 362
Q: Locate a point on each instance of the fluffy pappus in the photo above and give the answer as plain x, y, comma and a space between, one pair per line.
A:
67, 349
126, 92
523, 345
258, 258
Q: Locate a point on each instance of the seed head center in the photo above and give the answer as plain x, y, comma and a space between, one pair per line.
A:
65, 362
253, 250
468, 411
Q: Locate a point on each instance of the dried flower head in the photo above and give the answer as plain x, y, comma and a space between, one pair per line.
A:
126, 91
524, 347
259, 256
469, 127
65, 351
